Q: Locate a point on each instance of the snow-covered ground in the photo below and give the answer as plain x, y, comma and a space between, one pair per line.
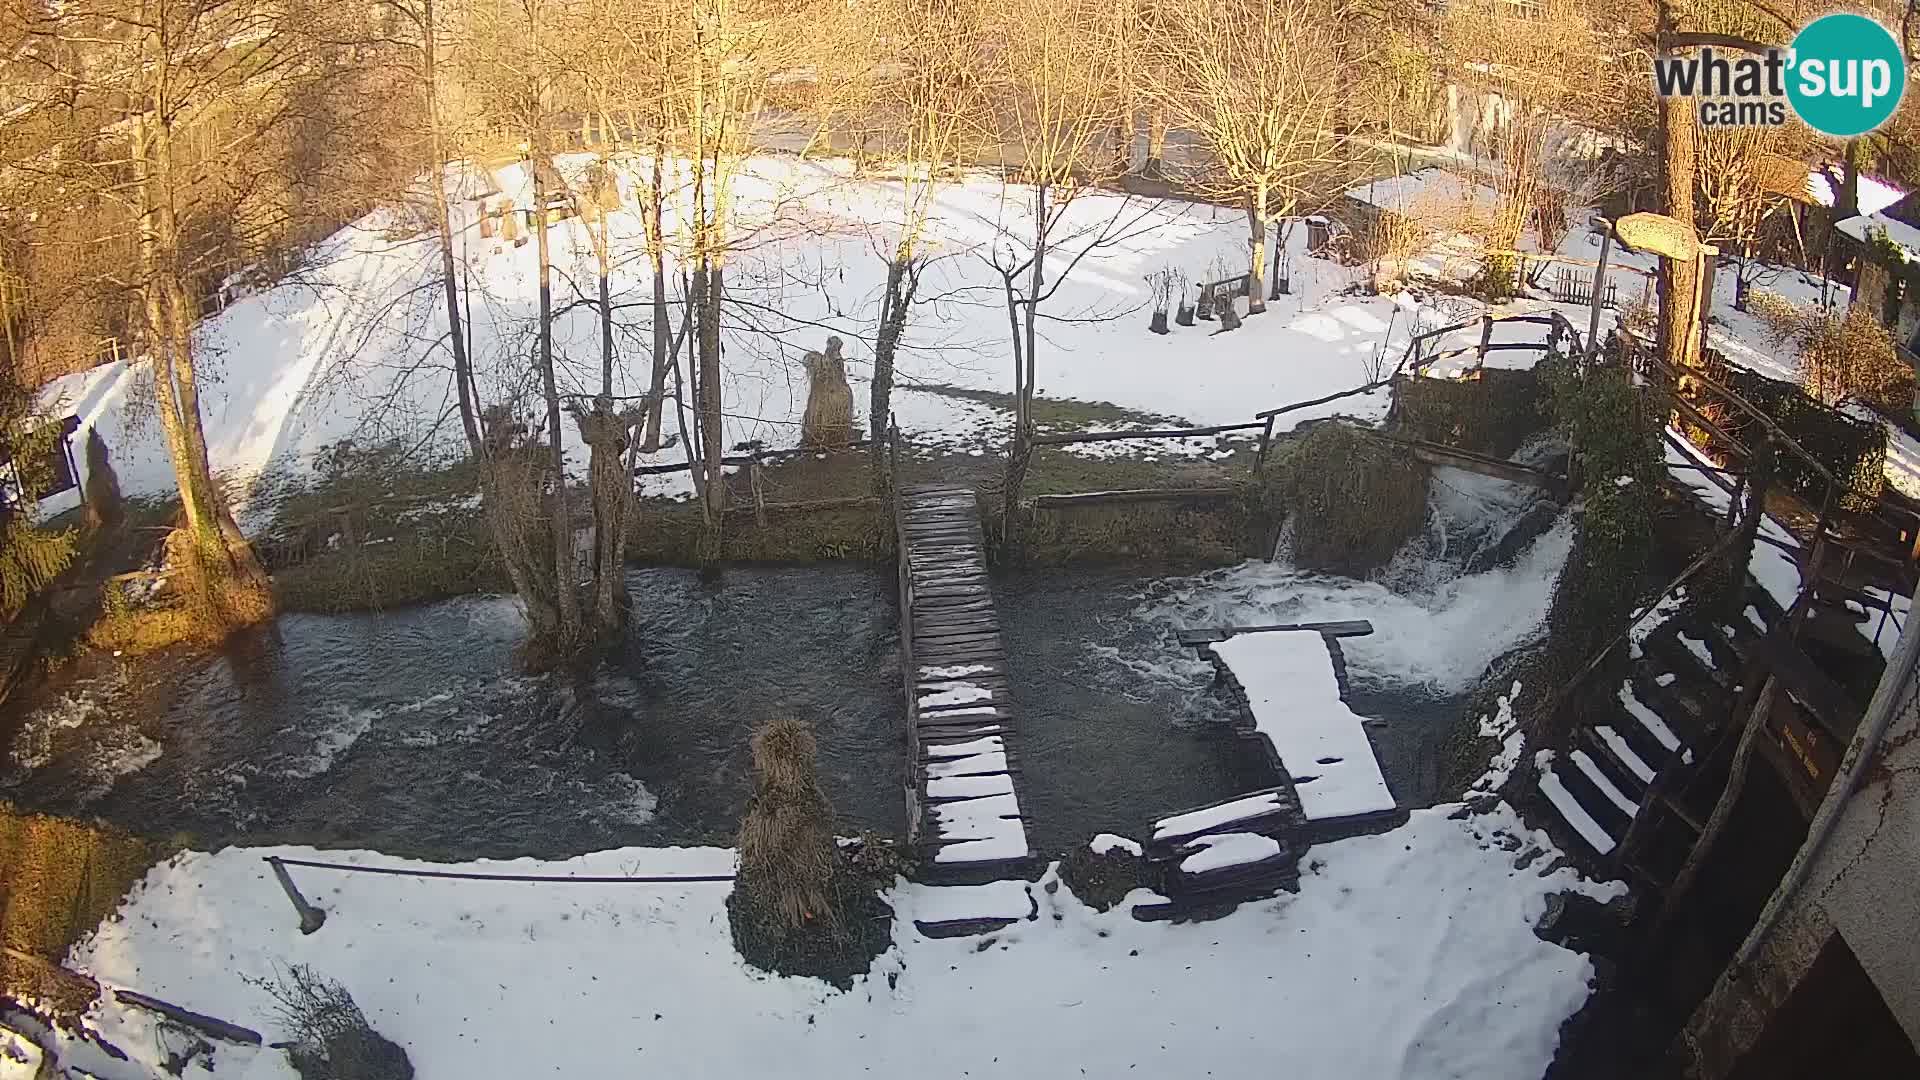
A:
353, 346
1410, 954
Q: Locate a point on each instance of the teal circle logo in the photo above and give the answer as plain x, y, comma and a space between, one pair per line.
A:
1845, 75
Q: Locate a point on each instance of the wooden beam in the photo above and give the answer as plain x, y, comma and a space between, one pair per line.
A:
1431, 453
1499, 470
209, 1025
1339, 628
1066, 437
1130, 495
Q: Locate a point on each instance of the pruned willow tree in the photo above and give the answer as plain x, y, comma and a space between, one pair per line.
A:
1251, 79
511, 67
194, 133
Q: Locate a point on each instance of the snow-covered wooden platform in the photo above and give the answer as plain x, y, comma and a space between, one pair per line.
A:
963, 802
1214, 856
1287, 680
1288, 683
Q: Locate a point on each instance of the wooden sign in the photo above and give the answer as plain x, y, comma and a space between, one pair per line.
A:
1659, 234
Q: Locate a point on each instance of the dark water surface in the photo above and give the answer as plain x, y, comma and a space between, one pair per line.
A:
412, 731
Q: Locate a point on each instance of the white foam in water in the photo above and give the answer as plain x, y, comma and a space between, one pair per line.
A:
33, 746
330, 742
119, 750
1467, 511
627, 800
1432, 626
501, 615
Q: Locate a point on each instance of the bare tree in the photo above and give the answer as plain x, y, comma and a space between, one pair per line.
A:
1532, 62
731, 50
195, 121
931, 102
1057, 108
1251, 79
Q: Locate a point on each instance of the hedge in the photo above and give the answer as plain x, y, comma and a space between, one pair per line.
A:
1854, 450
1492, 414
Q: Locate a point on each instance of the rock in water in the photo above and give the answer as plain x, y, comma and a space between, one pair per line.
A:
828, 422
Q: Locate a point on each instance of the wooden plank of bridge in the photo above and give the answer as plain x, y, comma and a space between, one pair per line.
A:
963, 788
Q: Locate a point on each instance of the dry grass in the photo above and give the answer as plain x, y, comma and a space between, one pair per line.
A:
58, 880
330, 1037
787, 852
1212, 532
190, 609
123, 627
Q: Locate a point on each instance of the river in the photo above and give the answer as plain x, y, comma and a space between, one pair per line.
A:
411, 732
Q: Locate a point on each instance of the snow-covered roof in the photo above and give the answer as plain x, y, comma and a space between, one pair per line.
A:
1875, 195
1865, 227
1432, 187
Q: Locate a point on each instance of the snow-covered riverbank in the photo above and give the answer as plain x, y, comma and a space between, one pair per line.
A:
1410, 954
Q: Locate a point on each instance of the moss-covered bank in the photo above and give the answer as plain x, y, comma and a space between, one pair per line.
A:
58, 879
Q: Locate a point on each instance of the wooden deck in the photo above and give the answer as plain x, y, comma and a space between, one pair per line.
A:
1212, 857
963, 801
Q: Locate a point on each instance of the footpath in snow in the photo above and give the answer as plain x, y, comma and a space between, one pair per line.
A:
1409, 954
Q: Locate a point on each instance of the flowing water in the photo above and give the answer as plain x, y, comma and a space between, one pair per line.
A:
411, 732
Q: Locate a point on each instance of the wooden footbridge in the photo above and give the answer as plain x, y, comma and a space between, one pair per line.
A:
963, 800
1289, 683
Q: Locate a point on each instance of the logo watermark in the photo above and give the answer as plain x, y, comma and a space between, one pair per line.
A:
1842, 76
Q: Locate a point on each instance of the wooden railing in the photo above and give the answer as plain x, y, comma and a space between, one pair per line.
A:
1663, 379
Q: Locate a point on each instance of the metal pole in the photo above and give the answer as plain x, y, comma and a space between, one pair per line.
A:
311, 918
1599, 283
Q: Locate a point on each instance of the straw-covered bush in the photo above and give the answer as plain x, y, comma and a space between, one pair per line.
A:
798, 907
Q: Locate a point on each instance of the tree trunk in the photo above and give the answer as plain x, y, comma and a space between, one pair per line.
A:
1257, 249
689, 427
662, 339
1032, 311
462, 363
1023, 319
712, 423
901, 280
1155, 166
232, 581
608, 436
1679, 276
1846, 201
605, 260
566, 596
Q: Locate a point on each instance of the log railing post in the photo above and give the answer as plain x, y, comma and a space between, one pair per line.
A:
311, 918
759, 493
